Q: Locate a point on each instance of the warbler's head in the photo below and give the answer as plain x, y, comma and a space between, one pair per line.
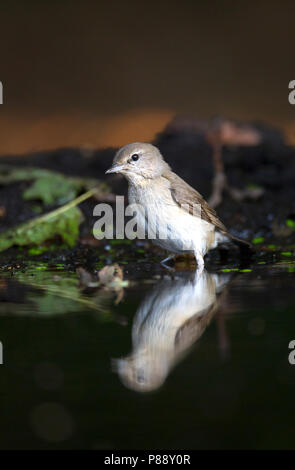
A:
139, 160
142, 371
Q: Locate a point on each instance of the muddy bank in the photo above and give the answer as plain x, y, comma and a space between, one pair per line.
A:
268, 220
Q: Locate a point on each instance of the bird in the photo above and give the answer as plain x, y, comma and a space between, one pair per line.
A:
169, 320
175, 215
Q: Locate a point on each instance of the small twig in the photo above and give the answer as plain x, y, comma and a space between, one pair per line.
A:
218, 186
75, 202
223, 132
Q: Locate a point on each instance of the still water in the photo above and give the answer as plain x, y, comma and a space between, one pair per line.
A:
172, 361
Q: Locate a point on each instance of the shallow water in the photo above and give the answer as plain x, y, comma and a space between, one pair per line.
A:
181, 362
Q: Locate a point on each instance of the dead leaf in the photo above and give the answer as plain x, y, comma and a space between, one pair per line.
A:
111, 276
85, 278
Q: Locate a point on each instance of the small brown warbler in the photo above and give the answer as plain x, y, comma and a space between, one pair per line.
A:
175, 216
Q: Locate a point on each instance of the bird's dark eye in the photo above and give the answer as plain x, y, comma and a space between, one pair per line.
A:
140, 377
135, 157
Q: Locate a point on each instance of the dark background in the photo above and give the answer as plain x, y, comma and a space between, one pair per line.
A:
81, 73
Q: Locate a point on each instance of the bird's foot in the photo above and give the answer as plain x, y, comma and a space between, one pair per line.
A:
165, 261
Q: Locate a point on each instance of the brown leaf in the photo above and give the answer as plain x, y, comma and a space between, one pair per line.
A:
111, 276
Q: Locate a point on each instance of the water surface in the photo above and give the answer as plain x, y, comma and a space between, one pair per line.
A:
180, 362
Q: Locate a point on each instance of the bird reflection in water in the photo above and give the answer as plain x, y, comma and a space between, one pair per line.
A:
172, 317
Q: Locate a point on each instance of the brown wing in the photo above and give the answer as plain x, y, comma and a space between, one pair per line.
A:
184, 194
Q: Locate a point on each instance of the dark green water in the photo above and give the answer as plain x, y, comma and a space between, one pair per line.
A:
213, 353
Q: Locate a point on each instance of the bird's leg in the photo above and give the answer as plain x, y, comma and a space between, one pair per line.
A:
171, 256
164, 262
200, 261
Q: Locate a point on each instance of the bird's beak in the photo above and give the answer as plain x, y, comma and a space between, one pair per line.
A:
115, 169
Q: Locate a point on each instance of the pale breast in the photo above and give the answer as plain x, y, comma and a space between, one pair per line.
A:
166, 223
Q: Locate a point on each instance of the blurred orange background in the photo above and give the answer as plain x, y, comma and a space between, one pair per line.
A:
96, 74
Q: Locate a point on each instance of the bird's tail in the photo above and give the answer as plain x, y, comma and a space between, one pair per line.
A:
224, 237
243, 244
